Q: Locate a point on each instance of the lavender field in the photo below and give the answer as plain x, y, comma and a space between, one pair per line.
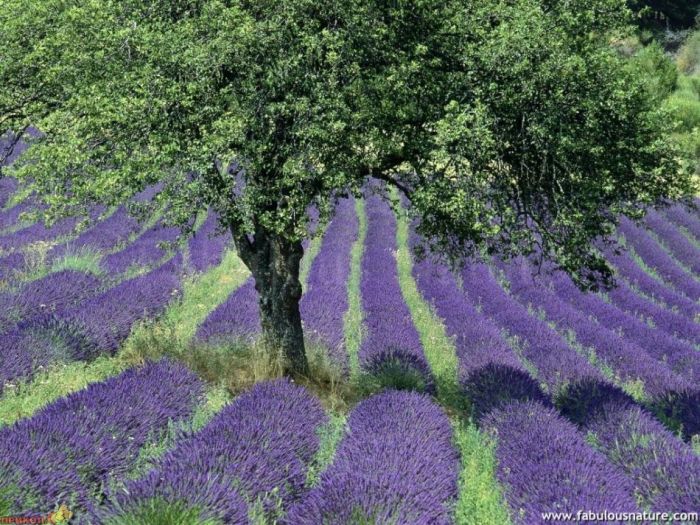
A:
490, 395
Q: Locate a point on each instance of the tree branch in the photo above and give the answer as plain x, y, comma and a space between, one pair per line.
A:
408, 192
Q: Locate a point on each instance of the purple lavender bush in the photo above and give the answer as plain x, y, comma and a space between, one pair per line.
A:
74, 447
556, 362
686, 217
236, 318
9, 217
326, 298
676, 398
206, 249
391, 349
82, 332
660, 261
24, 351
678, 244
144, 251
8, 185
680, 410
681, 357
104, 236
254, 452
395, 465
10, 265
490, 373
627, 360
38, 232
495, 385
106, 319
673, 323
545, 465
651, 287
665, 471
55, 292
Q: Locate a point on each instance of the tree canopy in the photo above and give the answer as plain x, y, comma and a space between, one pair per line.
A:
511, 126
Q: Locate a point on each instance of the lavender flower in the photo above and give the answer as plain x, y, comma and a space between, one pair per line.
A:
651, 287
493, 386
396, 465
255, 450
556, 362
546, 465
657, 258
106, 319
55, 292
73, 447
143, 251
685, 217
212, 498
8, 185
679, 356
392, 345
682, 359
625, 358
677, 243
10, 216
325, 302
207, 249
490, 372
237, 317
11, 264
104, 236
664, 470
673, 323
23, 351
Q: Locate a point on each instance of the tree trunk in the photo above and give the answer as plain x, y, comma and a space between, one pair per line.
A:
274, 263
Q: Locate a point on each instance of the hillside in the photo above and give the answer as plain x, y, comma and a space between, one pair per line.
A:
127, 371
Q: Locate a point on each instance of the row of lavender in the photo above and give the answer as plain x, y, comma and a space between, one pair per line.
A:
109, 238
71, 315
396, 461
515, 366
533, 338
635, 463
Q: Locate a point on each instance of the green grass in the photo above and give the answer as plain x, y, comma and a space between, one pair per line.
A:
18, 196
309, 255
157, 511
85, 260
61, 379
480, 497
439, 350
216, 398
353, 327
200, 295
330, 436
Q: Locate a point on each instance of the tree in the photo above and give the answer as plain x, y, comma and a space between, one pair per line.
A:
512, 127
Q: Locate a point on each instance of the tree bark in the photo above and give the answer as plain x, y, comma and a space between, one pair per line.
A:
274, 263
